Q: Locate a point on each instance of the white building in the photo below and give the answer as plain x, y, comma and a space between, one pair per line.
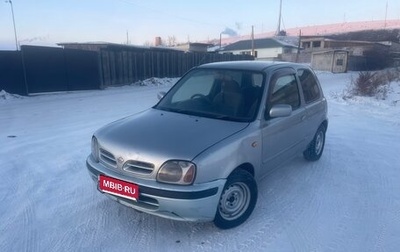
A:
264, 49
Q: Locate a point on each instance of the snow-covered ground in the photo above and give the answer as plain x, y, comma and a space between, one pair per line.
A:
347, 201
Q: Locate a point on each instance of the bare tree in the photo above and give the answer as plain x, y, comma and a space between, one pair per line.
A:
147, 43
172, 41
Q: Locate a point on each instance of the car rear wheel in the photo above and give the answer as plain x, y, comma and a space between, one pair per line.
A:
237, 201
316, 147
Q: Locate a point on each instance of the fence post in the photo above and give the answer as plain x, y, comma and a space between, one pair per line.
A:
24, 70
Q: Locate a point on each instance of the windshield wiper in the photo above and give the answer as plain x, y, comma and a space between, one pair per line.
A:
202, 114
176, 110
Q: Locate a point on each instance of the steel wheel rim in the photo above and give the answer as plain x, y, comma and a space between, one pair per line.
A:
319, 142
235, 201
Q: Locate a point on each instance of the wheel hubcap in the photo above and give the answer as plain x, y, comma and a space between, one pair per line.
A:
319, 143
235, 201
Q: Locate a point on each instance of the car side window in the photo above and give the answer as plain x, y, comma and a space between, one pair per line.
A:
309, 85
285, 91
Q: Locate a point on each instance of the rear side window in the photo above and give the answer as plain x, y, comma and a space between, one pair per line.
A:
309, 85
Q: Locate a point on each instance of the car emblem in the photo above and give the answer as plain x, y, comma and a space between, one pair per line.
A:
120, 160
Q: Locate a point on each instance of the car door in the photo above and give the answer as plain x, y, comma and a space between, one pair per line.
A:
282, 136
315, 103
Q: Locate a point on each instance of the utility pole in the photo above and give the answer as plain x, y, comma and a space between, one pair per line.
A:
386, 14
252, 41
15, 30
298, 48
278, 30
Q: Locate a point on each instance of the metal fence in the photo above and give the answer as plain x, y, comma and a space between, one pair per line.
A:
123, 67
37, 69
11, 73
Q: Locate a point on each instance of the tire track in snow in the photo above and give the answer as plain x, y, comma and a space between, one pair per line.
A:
362, 207
286, 215
146, 232
24, 221
30, 243
294, 217
378, 239
315, 182
84, 228
77, 226
22, 218
340, 233
189, 234
267, 231
19, 223
340, 207
389, 213
379, 244
140, 228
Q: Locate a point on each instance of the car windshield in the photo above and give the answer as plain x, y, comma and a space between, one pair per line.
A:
223, 94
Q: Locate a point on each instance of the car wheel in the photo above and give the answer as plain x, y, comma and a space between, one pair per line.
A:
237, 201
316, 147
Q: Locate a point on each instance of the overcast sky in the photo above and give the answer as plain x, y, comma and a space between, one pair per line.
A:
51, 21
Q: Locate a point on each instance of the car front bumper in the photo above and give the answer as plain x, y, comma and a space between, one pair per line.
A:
196, 202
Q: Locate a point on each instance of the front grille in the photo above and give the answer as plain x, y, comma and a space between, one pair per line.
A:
143, 202
138, 167
108, 158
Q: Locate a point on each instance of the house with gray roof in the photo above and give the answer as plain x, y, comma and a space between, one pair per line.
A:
264, 48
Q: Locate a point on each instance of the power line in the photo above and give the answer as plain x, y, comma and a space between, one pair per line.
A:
169, 14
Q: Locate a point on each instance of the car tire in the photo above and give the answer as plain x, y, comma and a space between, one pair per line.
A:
237, 200
316, 147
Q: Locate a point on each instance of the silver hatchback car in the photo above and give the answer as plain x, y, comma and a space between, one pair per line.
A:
198, 154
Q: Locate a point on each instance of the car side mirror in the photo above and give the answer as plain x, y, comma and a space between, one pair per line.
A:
280, 110
160, 95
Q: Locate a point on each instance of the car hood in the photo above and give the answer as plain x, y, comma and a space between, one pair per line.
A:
167, 135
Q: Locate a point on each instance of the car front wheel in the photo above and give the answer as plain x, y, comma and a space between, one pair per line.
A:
237, 200
316, 147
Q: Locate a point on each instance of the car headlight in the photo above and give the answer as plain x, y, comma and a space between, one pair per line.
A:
177, 172
95, 149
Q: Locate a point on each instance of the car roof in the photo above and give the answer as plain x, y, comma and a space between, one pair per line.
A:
249, 65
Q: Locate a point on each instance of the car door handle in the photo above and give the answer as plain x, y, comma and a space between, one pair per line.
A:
303, 117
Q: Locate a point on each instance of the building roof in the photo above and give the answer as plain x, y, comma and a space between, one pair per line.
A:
320, 30
258, 44
331, 51
96, 46
193, 47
